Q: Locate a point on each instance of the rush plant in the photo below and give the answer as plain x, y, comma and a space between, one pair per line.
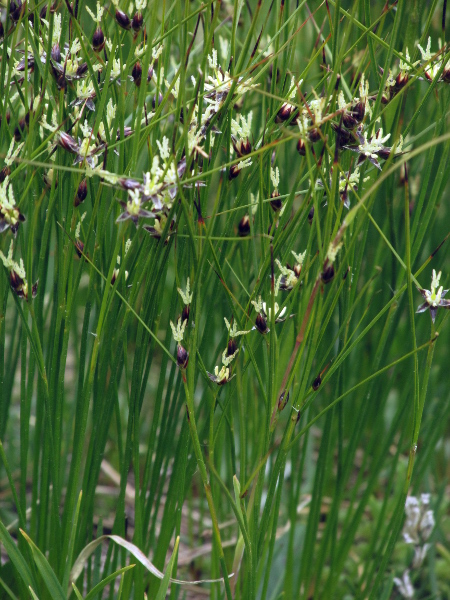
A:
218, 221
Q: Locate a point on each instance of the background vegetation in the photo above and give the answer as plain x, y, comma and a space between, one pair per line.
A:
290, 479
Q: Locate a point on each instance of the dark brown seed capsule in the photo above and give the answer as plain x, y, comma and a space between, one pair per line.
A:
123, 19
16, 10
79, 248
185, 313
261, 324
311, 215
234, 171
182, 357
349, 120
314, 135
317, 383
56, 53
276, 203
241, 147
301, 147
157, 100
283, 400
286, 112
244, 226
359, 111
2, 32
328, 274
81, 193
298, 416
232, 347
136, 73
82, 69
15, 281
137, 22
98, 40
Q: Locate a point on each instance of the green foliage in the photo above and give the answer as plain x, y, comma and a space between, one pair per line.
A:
217, 223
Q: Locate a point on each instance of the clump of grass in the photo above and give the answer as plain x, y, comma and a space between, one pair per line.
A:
217, 221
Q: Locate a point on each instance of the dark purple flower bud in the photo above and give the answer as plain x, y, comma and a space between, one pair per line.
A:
156, 100
261, 324
301, 147
136, 73
182, 357
244, 226
317, 383
311, 215
232, 347
98, 40
19, 130
286, 112
81, 193
123, 19
56, 53
150, 74
82, 70
314, 134
234, 171
283, 400
16, 10
328, 274
137, 22
276, 203
185, 313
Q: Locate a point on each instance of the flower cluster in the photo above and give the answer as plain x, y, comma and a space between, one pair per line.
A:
17, 275
10, 216
417, 530
434, 298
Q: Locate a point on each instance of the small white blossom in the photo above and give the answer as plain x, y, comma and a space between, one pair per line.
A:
178, 331
232, 329
404, 585
127, 246
275, 176
333, 251
300, 258
141, 5
100, 10
278, 314
226, 360
12, 154
258, 304
164, 148
243, 164
186, 296
242, 131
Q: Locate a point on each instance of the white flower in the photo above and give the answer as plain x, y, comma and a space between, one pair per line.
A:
164, 148
300, 258
258, 304
278, 315
333, 251
433, 68
404, 585
242, 131
141, 4
212, 60
275, 176
226, 360
178, 331
186, 296
232, 329
100, 11
12, 154
374, 145
243, 164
